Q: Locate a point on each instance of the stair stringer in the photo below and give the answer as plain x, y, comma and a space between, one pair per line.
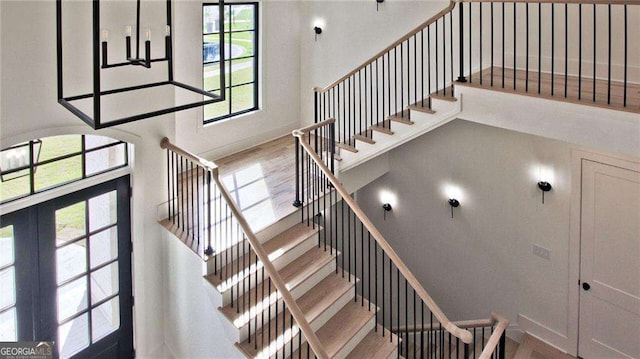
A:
356, 170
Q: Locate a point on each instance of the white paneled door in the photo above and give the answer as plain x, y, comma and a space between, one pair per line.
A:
610, 262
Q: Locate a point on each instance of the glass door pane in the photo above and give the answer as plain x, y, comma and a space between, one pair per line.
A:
87, 293
8, 317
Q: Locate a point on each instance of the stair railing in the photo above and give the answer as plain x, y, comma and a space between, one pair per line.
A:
482, 347
383, 282
401, 75
548, 47
201, 207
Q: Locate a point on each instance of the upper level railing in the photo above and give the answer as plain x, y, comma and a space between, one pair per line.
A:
577, 51
202, 212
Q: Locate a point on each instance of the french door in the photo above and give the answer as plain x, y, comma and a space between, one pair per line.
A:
65, 273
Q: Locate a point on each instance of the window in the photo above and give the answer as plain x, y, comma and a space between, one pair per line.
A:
41, 164
241, 59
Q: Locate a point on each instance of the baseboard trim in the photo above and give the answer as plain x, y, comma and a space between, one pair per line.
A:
553, 338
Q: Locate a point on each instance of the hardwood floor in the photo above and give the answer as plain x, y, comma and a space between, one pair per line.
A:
577, 91
262, 180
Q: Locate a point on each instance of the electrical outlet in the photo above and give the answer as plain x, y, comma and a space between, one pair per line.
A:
541, 252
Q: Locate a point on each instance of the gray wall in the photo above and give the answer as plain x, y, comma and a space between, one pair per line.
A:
481, 260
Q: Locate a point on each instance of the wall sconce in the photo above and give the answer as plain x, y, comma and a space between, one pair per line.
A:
317, 30
378, 2
544, 187
387, 208
454, 203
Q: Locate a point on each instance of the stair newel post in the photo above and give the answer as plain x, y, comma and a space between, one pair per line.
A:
332, 144
297, 202
209, 198
461, 77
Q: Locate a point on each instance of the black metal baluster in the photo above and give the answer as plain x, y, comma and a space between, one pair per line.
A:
421, 67
429, 60
626, 42
343, 238
436, 48
553, 46
415, 68
451, 48
579, 51
383, 288
248, 312
395, 82
526, 76
566, 47
362, 263
609, 57
401, 80
515, 47
539, 46
503, 37
595, 59
390, 298
481, 43
492, 41
460, 41
369, 271
470, 50
444, 55
388, 88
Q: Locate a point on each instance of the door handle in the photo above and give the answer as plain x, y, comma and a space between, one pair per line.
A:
586, 286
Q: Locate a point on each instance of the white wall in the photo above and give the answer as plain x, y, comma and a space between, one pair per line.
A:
280, 68
30, 110
195, 328
353, 31
481, 260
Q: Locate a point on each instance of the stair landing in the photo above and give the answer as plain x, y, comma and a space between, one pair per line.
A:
578, 91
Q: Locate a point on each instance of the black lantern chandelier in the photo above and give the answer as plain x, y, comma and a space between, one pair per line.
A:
100, 39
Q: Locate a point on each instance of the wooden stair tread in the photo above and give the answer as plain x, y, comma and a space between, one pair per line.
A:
346, 147
364, 139
423, 106
403, 117
375, 346
383, 127
278, 245
312, 304
341, 328
444, 95
322, 295
293, 275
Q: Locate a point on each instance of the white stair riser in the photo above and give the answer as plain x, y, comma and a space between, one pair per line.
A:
356, 339
279, 262
296, 292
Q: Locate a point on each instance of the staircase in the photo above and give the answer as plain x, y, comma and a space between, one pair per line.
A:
328, 284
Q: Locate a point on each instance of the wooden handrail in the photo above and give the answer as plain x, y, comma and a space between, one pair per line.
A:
277, 280
494, 339
390, 47
259, 250
313, 126
462, 334
463, 324
208, 165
